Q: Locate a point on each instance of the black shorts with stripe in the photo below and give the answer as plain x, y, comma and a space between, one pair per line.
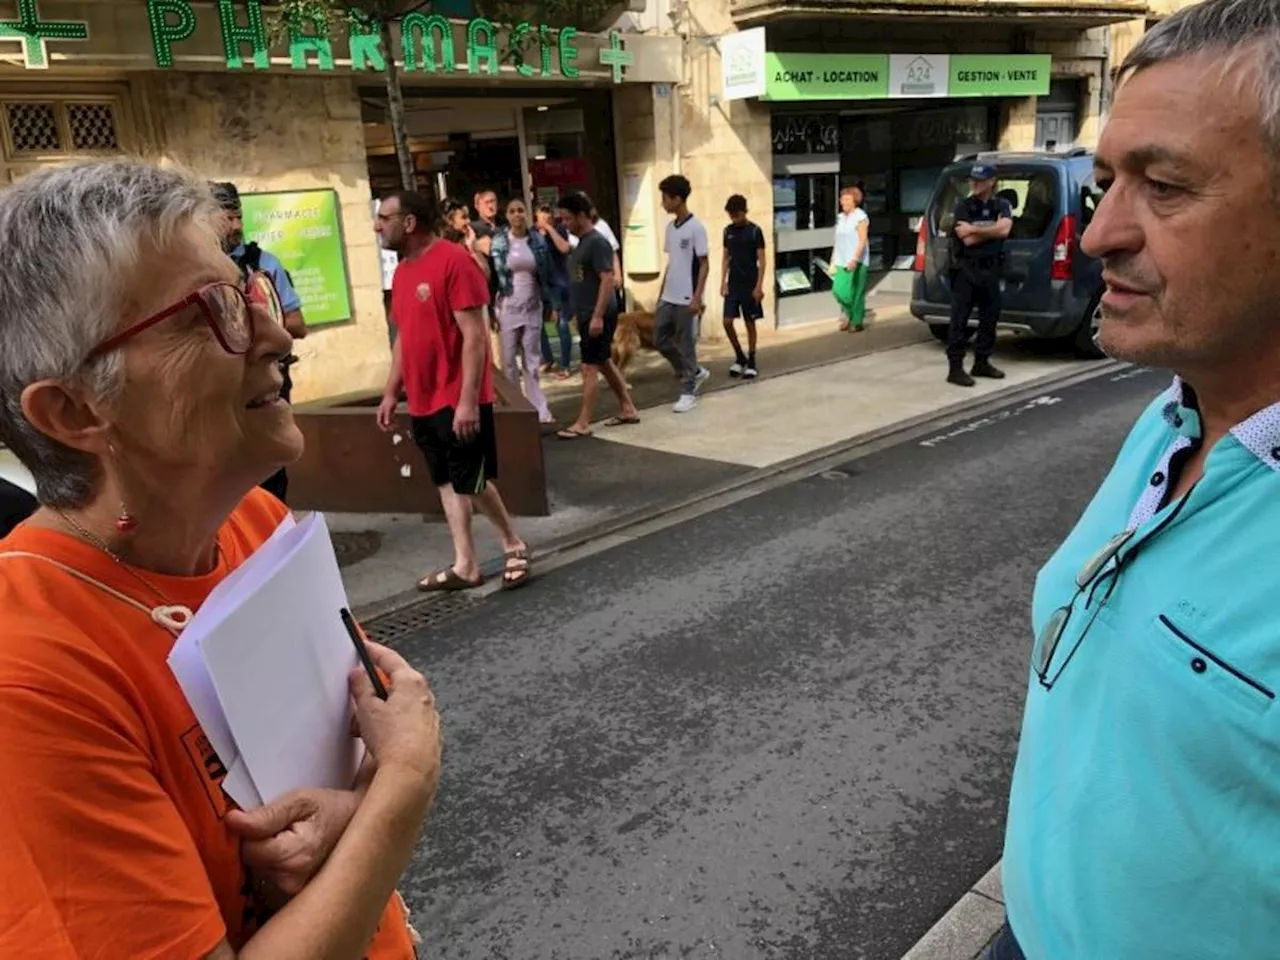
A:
467, 467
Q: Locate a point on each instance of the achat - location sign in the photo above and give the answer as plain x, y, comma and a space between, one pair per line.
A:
820, 76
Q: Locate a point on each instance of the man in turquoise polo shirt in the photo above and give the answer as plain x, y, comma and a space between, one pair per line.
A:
1144, 818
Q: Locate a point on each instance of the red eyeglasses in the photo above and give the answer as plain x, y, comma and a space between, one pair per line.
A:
225, 307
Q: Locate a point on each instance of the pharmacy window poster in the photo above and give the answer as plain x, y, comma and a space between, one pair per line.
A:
304, 230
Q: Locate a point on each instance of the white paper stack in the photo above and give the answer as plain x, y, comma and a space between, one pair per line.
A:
265, 663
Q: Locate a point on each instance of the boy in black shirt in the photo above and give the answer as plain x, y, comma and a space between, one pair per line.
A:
742, 283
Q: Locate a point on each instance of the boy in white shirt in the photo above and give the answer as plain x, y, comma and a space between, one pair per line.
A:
683, 286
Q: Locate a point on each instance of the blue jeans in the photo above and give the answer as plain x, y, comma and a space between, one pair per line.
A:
565, 331
1005, 946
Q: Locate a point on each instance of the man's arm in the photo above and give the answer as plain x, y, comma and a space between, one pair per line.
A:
559, 242
724, 267
391, 392
702, 250
605, 296
295, 324
761, 261
289, 300
475, 340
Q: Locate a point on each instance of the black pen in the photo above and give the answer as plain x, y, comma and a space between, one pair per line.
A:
357, 637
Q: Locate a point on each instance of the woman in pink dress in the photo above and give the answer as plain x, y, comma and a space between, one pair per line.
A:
522, 268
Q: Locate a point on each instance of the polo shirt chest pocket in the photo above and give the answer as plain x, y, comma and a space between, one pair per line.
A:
1210, 671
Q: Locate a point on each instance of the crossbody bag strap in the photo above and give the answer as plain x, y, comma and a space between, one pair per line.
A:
172, 617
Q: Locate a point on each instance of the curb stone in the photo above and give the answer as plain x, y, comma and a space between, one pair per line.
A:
968, 927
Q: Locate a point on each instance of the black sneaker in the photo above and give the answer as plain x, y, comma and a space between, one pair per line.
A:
983, 368
959, 377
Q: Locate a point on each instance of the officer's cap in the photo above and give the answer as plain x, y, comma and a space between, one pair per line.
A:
982, 171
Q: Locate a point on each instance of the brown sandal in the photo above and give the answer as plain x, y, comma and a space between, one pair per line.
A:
516, 570
447, 581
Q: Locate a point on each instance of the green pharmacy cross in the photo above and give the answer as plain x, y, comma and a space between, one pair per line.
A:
33, 33
616, 57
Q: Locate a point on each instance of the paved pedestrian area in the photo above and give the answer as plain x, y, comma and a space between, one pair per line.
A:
774, 420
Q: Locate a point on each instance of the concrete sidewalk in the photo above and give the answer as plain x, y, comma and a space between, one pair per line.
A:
968, 927
666, 459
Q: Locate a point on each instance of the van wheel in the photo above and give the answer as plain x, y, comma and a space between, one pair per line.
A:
1083, 345
939, 331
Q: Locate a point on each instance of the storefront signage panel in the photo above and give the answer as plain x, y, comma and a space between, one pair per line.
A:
303, 229
821, 76
426, 42
824, 76
743, 67
996, 76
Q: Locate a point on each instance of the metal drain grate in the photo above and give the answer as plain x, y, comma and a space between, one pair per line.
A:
430, 612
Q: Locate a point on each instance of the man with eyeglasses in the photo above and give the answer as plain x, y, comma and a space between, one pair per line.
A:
1144, 815
251, 258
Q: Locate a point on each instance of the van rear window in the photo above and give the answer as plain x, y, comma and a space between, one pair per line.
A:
1033, 196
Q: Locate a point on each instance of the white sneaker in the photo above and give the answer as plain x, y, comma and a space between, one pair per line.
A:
736, 370
750, 373
703, 376
686, 403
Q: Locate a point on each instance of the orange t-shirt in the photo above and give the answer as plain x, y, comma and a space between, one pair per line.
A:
112, 844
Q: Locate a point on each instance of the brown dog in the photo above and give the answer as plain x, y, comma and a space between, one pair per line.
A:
635, 330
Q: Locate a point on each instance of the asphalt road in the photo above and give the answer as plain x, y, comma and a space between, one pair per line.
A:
782, 730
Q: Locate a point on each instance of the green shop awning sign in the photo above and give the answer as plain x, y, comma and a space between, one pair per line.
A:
822, 76
426, 40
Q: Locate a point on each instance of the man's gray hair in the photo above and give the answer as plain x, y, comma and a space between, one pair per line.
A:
1246, 36
72, 237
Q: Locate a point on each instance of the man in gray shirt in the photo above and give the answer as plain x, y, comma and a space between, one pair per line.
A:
591, 298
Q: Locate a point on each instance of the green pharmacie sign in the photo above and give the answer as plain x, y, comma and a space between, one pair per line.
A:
426, 41
822, 76
303, 229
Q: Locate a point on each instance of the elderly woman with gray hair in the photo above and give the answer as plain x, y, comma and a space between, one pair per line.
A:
139, 384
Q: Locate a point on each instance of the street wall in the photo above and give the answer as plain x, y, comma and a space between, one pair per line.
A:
268, 132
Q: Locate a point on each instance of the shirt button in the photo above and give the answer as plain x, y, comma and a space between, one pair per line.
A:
1157, 478
1198, 665
1177, 421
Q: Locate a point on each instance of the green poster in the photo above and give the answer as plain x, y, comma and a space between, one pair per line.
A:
995, 75
302, 228
825, 76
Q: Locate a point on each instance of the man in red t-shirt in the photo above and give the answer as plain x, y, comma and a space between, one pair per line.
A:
441, 359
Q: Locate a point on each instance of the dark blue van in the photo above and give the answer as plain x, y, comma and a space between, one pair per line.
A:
1051, 289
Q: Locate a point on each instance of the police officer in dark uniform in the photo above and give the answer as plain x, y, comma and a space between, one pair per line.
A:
250, 258
982, 223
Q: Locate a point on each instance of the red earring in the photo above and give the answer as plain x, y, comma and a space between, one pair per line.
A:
126, 522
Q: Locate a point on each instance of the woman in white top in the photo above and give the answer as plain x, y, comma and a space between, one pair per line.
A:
851, 259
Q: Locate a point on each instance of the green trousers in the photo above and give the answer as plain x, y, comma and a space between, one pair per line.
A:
850, 290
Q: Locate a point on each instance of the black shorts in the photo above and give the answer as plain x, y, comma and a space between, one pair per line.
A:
597, 350
744, 305
467, 467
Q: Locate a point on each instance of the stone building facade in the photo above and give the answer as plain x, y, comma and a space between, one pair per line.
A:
186, 82
206, 86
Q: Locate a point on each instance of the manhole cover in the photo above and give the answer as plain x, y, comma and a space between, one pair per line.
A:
353, 547
834, 475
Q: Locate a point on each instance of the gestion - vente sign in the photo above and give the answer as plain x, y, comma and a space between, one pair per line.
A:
822, 76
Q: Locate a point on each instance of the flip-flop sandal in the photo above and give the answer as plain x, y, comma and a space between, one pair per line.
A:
573, 434
622, 421
447, 581
516, 570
